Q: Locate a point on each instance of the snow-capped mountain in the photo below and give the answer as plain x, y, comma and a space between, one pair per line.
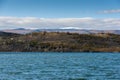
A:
71, 30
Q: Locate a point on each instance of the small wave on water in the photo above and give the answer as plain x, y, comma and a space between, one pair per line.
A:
69, 66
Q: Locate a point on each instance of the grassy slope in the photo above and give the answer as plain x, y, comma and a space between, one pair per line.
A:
61, 42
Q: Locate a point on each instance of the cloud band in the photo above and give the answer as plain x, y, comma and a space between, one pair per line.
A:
56, 23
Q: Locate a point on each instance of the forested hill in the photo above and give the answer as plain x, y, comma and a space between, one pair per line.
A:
60, 42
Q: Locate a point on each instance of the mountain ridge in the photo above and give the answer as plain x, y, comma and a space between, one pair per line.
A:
80, 31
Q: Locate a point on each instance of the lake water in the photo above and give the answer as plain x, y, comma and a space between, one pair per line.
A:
59, 66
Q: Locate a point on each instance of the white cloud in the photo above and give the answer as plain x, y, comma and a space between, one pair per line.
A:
110, 11
51, 23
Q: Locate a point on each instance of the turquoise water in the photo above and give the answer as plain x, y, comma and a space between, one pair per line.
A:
59, 66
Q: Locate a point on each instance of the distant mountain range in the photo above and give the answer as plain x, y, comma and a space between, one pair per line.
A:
80, 31
18, 31
6, 34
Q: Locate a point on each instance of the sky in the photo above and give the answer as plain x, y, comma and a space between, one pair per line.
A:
60, 14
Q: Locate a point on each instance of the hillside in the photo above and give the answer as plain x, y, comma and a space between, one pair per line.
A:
61, 42
6, 34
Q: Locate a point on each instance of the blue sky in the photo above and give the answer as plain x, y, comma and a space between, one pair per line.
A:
59, 9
